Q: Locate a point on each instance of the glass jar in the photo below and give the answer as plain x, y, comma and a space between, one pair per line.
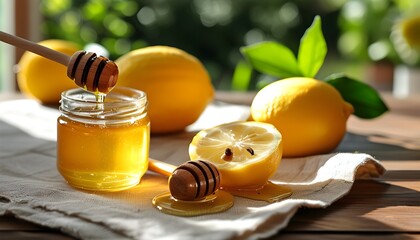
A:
103, 145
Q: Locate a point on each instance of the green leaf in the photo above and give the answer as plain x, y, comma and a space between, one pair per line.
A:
366, 101
272, 58
242, 76
312, 49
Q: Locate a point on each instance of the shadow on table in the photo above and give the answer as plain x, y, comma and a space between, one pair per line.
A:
363, 213
381, 147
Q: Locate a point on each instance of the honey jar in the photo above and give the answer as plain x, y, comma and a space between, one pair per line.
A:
103, 143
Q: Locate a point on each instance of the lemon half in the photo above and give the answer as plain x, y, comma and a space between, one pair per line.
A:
246, 154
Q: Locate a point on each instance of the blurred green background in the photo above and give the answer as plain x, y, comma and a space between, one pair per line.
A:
356, 31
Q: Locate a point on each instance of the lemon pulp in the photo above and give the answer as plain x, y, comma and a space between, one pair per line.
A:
256, 152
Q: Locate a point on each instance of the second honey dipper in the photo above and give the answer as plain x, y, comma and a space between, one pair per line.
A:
89, 71
193, 180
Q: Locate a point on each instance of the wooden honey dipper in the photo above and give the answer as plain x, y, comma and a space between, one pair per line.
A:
89, 71
193, 180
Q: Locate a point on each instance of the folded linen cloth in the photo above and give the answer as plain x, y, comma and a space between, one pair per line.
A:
32, 189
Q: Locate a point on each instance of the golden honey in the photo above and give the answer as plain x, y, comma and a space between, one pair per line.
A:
103, 145
217, 202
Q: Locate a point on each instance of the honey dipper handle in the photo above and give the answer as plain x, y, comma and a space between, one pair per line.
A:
160, 167
35, 48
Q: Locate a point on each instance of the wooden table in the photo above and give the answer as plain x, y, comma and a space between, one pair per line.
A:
385, 208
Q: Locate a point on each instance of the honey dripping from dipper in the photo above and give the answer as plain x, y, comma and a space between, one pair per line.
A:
96, 74
194, 190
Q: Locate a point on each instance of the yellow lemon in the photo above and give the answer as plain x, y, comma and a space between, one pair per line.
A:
310, 114
247, 154
178, 86
43, 79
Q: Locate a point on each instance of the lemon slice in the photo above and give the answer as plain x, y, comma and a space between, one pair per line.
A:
247, 154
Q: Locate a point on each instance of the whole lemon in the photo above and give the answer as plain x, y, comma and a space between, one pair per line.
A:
310, 114
43, 79
177, 85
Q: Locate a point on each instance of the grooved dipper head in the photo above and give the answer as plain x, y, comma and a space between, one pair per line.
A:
194, 180
92, 72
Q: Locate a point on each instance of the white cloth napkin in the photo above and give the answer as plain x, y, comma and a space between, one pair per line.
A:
32, 189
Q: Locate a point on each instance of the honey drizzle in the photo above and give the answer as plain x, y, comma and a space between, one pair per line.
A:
100, 97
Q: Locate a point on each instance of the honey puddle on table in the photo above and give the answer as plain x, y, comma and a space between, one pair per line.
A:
217, 202
220, 201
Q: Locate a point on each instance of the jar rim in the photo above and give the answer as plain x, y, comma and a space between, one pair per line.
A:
121, 105
118, 94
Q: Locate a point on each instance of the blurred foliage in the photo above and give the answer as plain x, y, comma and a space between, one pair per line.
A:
275, 59
367, 28
211, 30
406, 33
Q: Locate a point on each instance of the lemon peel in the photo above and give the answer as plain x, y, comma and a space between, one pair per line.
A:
44, 79
177, 85
310, 114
